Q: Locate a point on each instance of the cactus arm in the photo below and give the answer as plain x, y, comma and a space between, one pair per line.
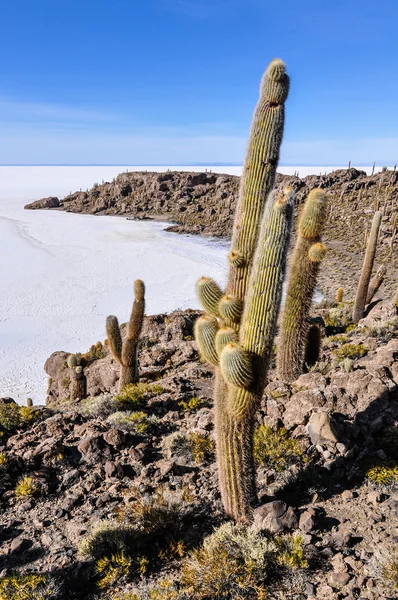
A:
206, 329
367, 267
308, 253
376, 283
114, 337
209, 295
258, 174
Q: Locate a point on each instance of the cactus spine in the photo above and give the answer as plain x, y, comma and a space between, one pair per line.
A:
307, 256
238, 339
367, 267
126, 352
375, 283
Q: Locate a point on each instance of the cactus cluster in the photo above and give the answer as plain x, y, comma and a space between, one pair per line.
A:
125, 352
237, 333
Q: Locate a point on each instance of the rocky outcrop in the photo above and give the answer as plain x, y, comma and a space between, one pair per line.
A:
86, 468
204, 203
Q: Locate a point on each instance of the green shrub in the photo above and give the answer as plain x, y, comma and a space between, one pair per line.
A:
291, 551
3, 460
112, 569
390, 573
99, 406
275, 448
383, 474
177, 444
134, 394
135, 422
190, 405
351, 351
202, 447
13, 417
26, 487
107, 538
33, 586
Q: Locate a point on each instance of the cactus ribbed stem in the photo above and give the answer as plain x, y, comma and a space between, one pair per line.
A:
258, 174
375, 283
256, 337
367, 267
307, 255
125, 352
245, 364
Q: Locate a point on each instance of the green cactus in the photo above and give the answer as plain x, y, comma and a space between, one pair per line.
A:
258, 174
340, 295
307, 256
243, 366
125, 352
367, 267
242, 362
375, 283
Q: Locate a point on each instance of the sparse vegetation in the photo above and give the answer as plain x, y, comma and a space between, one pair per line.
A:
26, 487
135, 422
351, 351
202, 447
32, 586
383, 474
133, 395
12, 416
190, 405
275, 448
112, 569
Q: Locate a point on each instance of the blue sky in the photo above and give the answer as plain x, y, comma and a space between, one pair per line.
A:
176, 81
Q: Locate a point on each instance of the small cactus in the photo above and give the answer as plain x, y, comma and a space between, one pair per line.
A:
125, 352
340, 295
307, 256
78, 387
367, 267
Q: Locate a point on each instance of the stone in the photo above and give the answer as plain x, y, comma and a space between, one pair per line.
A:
306, 521
20, 544
275, 517
339, 580
114, 437
321, 428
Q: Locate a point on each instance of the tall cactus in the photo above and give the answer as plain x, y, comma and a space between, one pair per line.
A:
307, 256
367, 267
242, 352
125, 352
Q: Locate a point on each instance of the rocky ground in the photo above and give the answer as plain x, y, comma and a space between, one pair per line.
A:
331, 477
204, 203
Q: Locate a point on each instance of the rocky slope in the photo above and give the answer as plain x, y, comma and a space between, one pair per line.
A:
204, 203
87, 465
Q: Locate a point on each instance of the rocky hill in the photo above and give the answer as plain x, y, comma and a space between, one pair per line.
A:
204, 203
142, 466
